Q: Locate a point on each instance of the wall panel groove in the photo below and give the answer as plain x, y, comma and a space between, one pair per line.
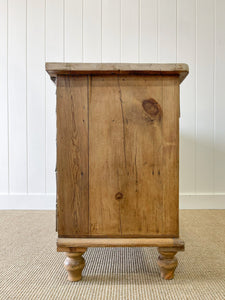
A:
4, 128
54, 52
35, 96
204, 101
219, 109
186, 52
17, 95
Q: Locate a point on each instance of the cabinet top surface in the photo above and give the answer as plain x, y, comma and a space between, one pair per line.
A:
54, 69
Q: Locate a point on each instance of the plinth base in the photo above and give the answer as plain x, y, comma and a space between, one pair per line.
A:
75, 248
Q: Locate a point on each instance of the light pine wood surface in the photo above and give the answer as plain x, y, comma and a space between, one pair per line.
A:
72, 156
64, 243
167, 262
55, 69
133, 155
74, 264
118, 159
117, 155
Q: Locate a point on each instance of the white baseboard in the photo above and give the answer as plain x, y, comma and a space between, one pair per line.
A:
47, 201
202, 201
28, 201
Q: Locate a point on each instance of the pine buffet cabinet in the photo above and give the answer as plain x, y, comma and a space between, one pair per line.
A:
117, 159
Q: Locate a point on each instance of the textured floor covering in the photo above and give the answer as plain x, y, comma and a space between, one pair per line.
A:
30, 267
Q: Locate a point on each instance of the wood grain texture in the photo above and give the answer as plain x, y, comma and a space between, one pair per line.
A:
74, 264
118, 155
141, 103
170, 162
134, 153
72, 156
64, 243
167, 262
55, 69
106, 162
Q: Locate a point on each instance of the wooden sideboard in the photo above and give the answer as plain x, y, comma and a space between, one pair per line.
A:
118, 159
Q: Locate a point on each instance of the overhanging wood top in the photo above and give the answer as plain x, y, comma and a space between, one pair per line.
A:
55, 69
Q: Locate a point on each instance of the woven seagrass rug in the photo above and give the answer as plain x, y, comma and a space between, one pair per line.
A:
30, 267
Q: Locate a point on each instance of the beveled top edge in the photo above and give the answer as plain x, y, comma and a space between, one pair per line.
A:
54, 69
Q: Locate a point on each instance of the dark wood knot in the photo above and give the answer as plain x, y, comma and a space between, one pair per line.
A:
152, 108
118, 196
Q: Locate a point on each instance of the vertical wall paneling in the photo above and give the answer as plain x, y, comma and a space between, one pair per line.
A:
73, 30
17, 96
186, 46
219, 121
205, 96
36, 95
92, 32
167, 31
130, 27
111, 30
54, 22
148, 31
3, 97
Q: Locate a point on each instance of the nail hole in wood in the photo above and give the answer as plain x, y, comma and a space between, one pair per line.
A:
118, 196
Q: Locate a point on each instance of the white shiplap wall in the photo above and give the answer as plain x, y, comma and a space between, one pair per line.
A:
32, 32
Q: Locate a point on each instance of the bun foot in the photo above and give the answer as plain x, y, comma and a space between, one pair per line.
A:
167, 262
74, 264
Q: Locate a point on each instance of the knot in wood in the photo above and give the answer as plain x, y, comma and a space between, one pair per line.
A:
152, 108
118, 196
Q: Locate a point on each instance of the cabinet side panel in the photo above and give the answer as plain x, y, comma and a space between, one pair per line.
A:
171, 155
133, 149
106, 160
126, 156
72, 156
141, 206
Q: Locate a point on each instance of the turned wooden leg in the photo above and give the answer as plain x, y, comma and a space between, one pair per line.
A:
167, 262
74, 264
